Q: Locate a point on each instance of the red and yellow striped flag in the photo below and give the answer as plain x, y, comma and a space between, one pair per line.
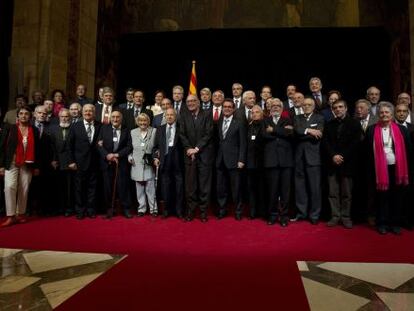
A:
192, 90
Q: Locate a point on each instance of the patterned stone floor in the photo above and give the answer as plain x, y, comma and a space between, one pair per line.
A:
42, 280
350, 286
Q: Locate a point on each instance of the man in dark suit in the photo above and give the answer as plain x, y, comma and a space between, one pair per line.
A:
308, 129
237, 91
315, 86
59, 140
195, 133
290, 92
84, 158
244, 112
129, 96
297, 109
278, 162
205, 97
340, 142
81, 97
265, 93
178, 103
230, 159
114, 145
131, 114
160, 119
103, 112
168, 157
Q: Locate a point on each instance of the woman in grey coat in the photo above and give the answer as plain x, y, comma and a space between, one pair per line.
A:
142, 171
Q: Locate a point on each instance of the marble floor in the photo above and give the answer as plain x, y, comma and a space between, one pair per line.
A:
42, 280
350, 286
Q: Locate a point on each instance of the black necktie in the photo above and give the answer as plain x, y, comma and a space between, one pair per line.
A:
168, 138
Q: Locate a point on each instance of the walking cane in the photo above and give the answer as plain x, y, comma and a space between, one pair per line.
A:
114, 182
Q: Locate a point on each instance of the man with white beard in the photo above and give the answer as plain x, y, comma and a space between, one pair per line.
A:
64, 177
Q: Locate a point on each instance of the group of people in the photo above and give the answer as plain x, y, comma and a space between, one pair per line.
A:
274, 157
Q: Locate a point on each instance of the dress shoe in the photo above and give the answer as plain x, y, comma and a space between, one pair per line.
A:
314, 221
382, 230
155, 214
297, 218
165, 214
127, 214
221, 215
333, 222
284, 222
203, 218
140, 214
271, 221
80, 216
189, 218
238, 217
21, 219
10, 220
92, 215
347, 223
396, 230
180, 216
68, 214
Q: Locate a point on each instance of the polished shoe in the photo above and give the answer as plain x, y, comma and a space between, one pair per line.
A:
221, 215
382, 230
127, 214
314, 221
333, 222
140, 214
189, 218
10, 220
238, 217
297, 218
21, 219
109, 214
271, 221
155, 214
80, 216
204, 219
396, 230
347, 223
180, 216
165, 214
284, 223
68, 214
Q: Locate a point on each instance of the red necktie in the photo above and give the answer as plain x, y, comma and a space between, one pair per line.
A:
216, 114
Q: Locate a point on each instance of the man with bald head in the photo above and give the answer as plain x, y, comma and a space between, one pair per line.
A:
196, 136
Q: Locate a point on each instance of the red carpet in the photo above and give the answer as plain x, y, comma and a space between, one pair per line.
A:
220, 265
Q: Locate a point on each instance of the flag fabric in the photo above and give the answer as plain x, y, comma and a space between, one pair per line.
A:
192, 90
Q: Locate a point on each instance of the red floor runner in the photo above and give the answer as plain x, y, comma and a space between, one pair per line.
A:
220, 265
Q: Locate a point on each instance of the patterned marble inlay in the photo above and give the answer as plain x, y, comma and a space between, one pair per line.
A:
358, 286
42, 280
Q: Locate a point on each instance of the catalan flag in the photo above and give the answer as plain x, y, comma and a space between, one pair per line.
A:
192, 90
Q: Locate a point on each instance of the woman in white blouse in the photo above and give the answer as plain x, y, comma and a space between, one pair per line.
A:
142, 171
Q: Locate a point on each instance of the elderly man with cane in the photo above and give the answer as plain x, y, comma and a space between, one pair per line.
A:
114, 145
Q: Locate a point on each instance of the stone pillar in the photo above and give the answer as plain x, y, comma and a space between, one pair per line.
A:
347, 13
411, 36
46, 53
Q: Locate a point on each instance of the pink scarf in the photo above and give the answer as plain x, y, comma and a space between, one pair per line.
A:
381, 167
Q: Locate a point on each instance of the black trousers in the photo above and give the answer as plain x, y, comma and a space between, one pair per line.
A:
85, 191
121, 189
229, 181
278, 189
256, 192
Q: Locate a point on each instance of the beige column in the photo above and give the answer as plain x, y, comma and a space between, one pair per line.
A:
42, 46
347, 13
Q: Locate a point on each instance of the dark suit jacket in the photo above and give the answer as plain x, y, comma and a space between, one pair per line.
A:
306, 145
341, 137
83, 153
157, 120
60, 147
129, 119
160, 148
197, 133
8, 143
98, 112
106, 146
286, 104
240, 114
255, 141
324, 102
231, 149
277, 144
123, 106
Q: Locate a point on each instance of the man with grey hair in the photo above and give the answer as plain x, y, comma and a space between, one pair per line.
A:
244, 113
373, 95
364, 114
315, 86
103, 112
405, 99
75, 110
205, 96
237, 90
84, 159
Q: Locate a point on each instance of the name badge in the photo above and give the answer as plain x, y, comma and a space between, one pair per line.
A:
313, 125
142, 144
253, 137
115, 139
